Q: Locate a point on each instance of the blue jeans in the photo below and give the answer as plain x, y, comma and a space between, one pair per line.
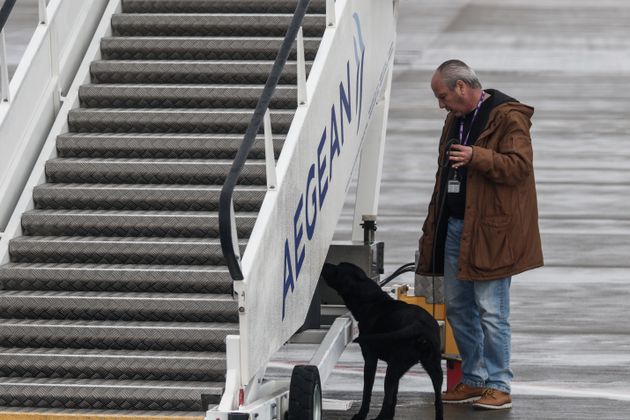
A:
478, 312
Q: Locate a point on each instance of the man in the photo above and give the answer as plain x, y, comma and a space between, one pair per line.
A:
481, 227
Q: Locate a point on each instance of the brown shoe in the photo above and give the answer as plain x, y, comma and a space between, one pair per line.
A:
493, 399
461, 394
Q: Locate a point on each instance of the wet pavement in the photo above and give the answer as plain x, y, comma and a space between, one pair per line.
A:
571, 61
420, 406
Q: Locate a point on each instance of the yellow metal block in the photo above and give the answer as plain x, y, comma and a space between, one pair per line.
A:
438, 311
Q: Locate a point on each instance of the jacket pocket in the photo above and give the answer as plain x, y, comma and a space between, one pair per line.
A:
492, 248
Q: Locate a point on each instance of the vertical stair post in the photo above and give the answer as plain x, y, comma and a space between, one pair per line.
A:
229, 401
4, 70
371, 162
270, 161
301, 69
43, 14
237, 250
331, 16
54, 53
53, 46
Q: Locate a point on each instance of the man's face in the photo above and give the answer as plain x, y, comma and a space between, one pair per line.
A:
453, 100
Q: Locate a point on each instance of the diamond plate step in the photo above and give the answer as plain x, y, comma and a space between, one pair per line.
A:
144, 197
111, 364
90, 250
116, 335
190, 72
182, 96
116, 278
218, 6
154, 171
130, 223
200, 48
223, 24
172, 120
101, 306
160, 146
117, 299
108, 394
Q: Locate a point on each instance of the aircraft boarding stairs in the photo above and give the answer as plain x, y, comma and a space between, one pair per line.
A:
116, 296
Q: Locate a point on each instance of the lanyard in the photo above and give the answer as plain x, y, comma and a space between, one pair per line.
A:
461, 123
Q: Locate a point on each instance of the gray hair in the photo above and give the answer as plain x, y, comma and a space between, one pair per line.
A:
454, 70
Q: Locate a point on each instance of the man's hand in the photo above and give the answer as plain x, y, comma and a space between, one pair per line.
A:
460, 155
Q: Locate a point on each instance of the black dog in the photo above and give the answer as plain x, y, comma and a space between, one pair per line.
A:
391, 330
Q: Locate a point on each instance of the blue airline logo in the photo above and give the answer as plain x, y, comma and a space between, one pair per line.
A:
320, 173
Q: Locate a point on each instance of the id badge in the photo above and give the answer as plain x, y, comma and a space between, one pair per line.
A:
453, 186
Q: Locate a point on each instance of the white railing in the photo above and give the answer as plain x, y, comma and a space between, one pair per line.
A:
48, 150
34, 95
5, 13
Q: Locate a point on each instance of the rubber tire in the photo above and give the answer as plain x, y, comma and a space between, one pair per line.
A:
305, 394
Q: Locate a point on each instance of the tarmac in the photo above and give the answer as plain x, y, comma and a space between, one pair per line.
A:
571, 61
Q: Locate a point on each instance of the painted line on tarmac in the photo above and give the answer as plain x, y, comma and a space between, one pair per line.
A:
544, 390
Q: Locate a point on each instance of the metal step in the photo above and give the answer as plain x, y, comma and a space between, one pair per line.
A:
108, 394
182, 96
111, 306
116, 298
190, 72
151, 171
130, 223
220, 24
116, 335
106, 250
218, 6
60, 363
144, 197
172, 120
200, 48
116, 278
159, 146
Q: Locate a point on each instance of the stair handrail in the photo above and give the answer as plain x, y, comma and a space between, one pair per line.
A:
227, 224
5, 12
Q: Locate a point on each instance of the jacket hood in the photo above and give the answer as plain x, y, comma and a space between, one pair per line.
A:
508, 103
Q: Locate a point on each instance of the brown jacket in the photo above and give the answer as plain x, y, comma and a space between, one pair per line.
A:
500, 236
